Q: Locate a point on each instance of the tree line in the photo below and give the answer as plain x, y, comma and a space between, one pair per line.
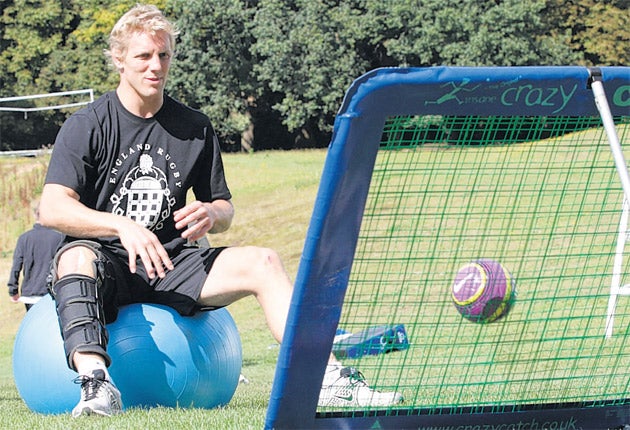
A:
273, 73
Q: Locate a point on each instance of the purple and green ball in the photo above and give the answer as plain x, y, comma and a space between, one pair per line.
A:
483, 291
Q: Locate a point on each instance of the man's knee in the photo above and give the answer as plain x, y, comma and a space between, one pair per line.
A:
249, 258
76, 259
267, 257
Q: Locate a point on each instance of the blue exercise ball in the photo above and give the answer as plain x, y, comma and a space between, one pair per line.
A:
41, 374
159, 358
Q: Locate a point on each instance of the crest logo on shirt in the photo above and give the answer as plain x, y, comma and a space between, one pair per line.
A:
144, 189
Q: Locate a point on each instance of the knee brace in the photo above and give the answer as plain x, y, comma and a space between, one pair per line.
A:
81, 317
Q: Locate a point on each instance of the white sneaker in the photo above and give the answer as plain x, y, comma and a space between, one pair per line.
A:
347, 387
98, 396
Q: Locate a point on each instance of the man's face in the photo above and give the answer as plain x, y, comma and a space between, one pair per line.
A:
144, 67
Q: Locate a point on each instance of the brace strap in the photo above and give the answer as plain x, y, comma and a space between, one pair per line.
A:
81, 316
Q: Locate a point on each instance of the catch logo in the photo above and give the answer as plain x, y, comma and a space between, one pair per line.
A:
454, 95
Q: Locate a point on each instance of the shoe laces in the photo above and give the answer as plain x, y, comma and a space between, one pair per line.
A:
90, 384
354, 376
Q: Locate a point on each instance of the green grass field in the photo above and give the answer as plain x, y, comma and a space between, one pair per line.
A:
273, 195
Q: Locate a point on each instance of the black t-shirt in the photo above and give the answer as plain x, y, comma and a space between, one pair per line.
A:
140, 168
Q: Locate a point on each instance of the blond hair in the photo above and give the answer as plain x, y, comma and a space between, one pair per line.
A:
142, 18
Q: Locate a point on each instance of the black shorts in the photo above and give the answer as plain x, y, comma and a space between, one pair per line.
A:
179, 289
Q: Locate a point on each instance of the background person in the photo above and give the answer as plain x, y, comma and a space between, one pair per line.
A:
32, 256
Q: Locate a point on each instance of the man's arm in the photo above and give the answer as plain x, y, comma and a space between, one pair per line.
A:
61, 210
14, 275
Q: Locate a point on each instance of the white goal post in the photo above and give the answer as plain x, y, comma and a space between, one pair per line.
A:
26, 110
73, 99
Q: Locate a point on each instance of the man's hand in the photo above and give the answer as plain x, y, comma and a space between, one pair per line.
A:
15, 298
141, 242
197, 218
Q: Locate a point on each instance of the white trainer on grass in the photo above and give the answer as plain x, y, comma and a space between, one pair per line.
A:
346, 387
98, 396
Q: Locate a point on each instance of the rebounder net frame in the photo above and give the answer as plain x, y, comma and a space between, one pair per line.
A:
429, 169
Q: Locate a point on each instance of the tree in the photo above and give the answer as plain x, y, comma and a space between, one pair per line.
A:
212, 67
273, 73
80, 62
598, 29
473, 33
31, 32
306, 55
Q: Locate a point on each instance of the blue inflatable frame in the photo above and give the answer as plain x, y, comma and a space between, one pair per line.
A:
333, 232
